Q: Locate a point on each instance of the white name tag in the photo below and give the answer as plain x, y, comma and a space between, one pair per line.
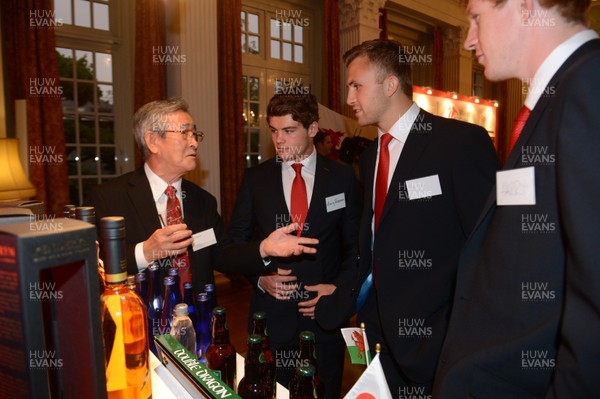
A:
516, 186
423, 187
335, 202
204, 239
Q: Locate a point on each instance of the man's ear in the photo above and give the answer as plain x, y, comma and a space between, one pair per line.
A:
391, 85
313, 129
150, 138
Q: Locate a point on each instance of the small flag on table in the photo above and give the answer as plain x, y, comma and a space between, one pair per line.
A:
358, 346
371, 384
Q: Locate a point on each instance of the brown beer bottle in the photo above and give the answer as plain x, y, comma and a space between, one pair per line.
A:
302, 385
255, 384
308, 355
259, 326
220, 354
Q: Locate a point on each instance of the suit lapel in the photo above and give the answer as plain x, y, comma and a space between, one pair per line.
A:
140, 195
412, 151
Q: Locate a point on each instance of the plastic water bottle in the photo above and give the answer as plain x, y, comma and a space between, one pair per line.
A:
182, 328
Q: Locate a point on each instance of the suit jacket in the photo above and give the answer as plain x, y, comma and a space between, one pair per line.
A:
130, 196
526, 317
416, 247
261, 208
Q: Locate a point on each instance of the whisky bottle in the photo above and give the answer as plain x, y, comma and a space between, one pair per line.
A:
124, 326
308, 356
302, 385
259, 326
220, 355
88, 214
255, 384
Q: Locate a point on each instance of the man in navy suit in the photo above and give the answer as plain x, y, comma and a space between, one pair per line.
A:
526, 316
314, 292
166, 133
425, 179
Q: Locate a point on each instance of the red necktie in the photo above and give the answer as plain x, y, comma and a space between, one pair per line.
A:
518, 127
299, 205
174, 216
381, 182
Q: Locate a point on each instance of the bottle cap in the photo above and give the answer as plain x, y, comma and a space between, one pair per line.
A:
140, 276
209, 288
173, 271
86, 214
307, 336
306, 371
259, 315
67, 210
187, 285
219, 310
169, 280
112, 227
181, 309
202, 297
254, 339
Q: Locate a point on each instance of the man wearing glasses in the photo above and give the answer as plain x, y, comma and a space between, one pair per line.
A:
171, 221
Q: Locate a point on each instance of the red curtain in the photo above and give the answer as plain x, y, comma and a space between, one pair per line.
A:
438, 58
332, 55
31, 69
231, 122
150, 82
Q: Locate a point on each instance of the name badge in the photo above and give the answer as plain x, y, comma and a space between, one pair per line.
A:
204, 239
423, 187
516, 186
335, 202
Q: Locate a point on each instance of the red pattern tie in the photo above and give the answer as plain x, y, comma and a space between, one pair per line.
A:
520, 121
174, 216
381, 182
299, 199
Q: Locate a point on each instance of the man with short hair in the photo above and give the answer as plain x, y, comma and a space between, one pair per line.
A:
425, 179
323, 143
306, 292
526, 315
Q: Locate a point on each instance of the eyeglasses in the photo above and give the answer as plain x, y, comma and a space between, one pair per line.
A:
188, 134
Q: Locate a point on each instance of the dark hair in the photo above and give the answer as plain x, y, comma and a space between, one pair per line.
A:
320, 137
571, 10
303, 108
386, 55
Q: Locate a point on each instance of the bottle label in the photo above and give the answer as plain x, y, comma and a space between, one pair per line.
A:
116, 373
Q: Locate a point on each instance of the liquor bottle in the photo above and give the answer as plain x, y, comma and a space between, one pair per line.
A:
302, 384
220, 355
174, 272
141, 287
308, 355
203, 331
124, 327
188, 299
168, 305
255, 384
88, 214
183, 328
259, 326
155, 304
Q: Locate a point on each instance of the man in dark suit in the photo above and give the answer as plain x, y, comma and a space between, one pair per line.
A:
425, 180
526, 316
167, 136
308, 292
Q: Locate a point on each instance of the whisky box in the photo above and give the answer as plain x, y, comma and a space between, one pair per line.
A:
50, 330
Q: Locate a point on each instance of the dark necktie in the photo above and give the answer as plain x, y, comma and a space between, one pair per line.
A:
520, 121
174, 216
299, 199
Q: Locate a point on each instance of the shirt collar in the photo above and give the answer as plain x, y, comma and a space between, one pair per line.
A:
309, 163
158, 185
553, 62
401, 128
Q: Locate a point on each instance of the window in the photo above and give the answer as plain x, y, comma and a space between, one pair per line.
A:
251, 89
478, 83
287, 41
91, 66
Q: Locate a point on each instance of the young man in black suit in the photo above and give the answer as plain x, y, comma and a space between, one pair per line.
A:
526, 316
166, 133
425, 179
314, 292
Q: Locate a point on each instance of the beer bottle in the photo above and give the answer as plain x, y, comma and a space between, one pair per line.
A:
254, 384
220, 355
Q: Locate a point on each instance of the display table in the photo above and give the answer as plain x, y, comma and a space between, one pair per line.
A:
165, 386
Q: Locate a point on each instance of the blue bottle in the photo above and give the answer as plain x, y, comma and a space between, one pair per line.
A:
203, 331
168, 306
174, 272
